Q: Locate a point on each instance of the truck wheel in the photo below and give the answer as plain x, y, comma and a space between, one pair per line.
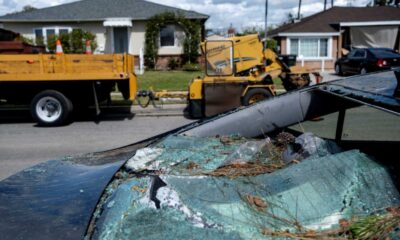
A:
51, 108
255, 95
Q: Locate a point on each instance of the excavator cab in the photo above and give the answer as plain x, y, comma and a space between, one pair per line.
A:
219, 58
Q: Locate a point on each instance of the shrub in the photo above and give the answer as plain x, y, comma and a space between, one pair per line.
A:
51, 43
26, 40
77, 41
73, 42
173, 64
191, 67
65, 39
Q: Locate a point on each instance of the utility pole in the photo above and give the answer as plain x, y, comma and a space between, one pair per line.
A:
332, 3
299, 13
325, 4
266, 24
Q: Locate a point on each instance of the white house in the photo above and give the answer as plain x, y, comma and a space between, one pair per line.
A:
119, 25
318, 40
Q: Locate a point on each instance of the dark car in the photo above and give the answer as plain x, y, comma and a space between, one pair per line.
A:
361, 61
265, 171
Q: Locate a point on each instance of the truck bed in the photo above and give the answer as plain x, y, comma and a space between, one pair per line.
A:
68, 67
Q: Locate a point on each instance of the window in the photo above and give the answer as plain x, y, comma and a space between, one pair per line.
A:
359, 54
41, 34
219, 58
167, 36
294, 46
323, 47
309, 47
63, 31
50, 32
39, 38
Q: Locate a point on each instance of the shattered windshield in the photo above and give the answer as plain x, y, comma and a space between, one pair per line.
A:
292, 184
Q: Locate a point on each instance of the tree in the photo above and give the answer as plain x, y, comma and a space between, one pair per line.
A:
290, 18
28, 8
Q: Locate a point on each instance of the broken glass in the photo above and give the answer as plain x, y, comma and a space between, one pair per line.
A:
196, 188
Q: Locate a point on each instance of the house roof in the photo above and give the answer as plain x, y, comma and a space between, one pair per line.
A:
328, 21
98, 10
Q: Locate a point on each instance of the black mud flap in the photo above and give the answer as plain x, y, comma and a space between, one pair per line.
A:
222, 97
123, 87
194, 109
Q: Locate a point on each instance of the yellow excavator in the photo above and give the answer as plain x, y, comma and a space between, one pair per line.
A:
239, 71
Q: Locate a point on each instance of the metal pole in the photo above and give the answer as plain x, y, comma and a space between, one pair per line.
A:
298, 14
266, 24
325, 4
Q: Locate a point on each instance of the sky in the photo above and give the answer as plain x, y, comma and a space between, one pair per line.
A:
241, 14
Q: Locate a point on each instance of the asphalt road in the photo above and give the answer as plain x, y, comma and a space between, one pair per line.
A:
23, 144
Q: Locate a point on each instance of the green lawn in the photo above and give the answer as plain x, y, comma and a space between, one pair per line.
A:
166, 80
174, 80
278, 83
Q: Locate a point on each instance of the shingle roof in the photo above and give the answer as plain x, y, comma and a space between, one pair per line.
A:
328, 21
92, 10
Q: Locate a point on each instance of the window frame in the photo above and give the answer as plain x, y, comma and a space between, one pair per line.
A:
329, 47
56, 30
175, 38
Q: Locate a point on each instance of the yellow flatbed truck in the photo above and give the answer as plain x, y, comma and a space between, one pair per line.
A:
57, 85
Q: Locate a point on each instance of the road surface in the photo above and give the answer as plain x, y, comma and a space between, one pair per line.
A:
23, 144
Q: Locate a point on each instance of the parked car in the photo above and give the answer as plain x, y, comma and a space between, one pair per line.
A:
361, 61
252, 173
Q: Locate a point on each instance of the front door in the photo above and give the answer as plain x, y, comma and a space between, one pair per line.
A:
120, 39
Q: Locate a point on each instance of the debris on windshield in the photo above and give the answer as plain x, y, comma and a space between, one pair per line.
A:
229, 187
307, 145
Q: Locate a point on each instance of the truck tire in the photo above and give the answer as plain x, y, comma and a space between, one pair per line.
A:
255, 95
338, 69
51, 108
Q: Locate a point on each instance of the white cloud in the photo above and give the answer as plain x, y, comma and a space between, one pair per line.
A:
239, 13
250, 13
9, 6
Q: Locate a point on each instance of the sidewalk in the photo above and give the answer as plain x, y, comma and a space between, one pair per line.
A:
160, 110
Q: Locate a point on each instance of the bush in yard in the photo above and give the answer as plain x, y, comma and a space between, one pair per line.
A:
173, 64
92, 38
65, 39
191, 67
77, 41
26, 40
39, 41
51, 43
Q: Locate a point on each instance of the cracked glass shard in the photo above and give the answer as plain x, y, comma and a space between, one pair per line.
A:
171, 190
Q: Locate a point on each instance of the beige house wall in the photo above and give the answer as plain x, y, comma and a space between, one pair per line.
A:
28, 29
283, 45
